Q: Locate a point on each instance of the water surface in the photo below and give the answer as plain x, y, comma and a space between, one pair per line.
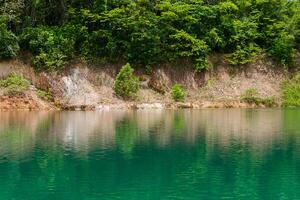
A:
188, 154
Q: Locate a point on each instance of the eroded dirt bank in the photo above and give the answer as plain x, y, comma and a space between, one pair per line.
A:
82, 87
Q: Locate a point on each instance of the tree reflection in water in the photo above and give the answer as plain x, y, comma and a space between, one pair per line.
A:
85, 131
208, 154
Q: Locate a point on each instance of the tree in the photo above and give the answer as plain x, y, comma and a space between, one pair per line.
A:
151, 32
9, 46
11, 11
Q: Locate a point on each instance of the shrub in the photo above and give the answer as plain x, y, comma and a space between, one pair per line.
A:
50, 61
52, 47
126, 84
9, 46
178, 93
252, 96
15, 84
244, 55
269, 102
282, 50
45, 95
291, 92
185, 45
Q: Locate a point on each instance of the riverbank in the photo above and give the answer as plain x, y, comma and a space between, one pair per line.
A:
90, 87
173, 105
28, 103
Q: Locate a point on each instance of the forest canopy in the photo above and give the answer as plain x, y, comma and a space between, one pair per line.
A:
148, 32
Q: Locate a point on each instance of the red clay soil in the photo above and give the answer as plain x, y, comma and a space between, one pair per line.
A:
18, 103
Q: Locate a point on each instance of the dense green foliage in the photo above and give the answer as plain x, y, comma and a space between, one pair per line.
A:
291, 92
148, 32
126, 84
14, 84
52, 47
178, 92
9, 46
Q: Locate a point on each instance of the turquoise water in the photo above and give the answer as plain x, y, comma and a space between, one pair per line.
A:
189, 154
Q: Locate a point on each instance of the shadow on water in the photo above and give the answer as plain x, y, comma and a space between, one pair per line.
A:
187, 154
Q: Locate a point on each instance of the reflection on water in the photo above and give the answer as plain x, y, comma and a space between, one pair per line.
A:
85, 131
188, 154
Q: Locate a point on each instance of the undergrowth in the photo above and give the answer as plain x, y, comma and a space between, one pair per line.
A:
252, 96
291, 92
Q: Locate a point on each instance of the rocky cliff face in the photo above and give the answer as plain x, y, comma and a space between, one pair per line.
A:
83, 87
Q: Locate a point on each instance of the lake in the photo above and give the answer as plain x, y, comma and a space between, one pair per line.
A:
136, 155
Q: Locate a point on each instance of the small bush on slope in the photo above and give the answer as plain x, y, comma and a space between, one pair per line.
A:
126, 85
14, 84
178, 92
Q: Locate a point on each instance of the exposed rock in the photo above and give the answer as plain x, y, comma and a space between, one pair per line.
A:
144, 81
90, 88
106, 107
184, 105
157, 86
78, 91
150, 106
